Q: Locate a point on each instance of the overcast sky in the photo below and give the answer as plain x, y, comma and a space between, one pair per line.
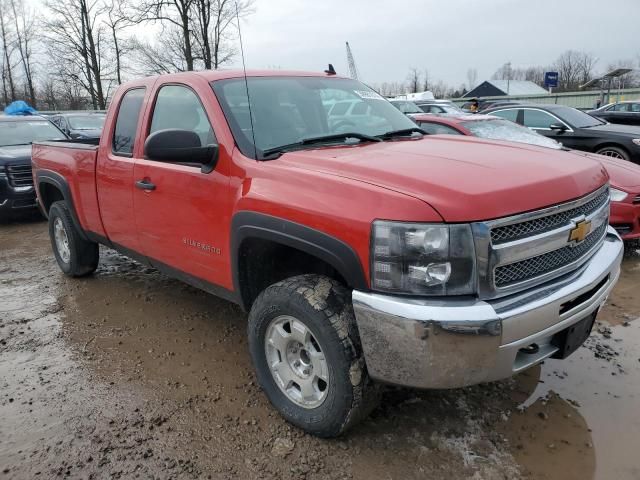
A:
445, 36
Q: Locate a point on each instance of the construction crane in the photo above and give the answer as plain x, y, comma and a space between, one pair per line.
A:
353, 71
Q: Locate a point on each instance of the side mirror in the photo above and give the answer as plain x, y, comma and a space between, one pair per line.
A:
559, 127
180, 146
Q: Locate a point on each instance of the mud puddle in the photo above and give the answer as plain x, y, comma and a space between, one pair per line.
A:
578, 418
131, 374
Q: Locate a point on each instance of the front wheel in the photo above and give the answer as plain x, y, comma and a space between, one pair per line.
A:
307, 355
614, 152
76, 256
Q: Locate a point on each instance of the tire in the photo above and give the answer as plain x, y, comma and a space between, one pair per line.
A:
76, 256
346, 395
615, 152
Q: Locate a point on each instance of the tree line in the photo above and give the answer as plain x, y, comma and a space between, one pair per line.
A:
72, 54
575, 68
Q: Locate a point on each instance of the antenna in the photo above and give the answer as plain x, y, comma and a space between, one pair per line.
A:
353, 71
246, 84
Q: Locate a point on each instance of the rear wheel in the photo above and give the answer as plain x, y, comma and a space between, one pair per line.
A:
76, 256
614, 152
307, 355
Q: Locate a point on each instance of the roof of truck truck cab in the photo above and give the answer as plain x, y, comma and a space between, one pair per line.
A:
212, 75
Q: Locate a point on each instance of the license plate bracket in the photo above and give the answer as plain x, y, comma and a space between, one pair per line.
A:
570, 339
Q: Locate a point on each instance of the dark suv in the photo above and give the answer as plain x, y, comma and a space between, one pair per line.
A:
16, 183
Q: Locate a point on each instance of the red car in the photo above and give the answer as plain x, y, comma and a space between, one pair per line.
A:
624, 175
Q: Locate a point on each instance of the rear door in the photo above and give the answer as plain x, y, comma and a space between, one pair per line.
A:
114, 173
182, 216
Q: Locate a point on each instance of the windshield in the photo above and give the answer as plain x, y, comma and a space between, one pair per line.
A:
287, 110
28, 131
406, 107
86, 122
498, 129
577, 118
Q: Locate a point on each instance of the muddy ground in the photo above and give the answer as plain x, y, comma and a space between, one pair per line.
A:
130, 374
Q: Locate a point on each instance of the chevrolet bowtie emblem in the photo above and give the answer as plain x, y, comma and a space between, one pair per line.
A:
580, 231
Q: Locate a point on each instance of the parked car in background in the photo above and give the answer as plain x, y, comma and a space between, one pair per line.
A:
483, 126
80, 125
16, 183
485, 104
407, 107
622, 112
576, 129
438, 106
624, 176
346, 115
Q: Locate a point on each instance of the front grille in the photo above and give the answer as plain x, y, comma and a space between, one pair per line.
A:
20, 175
636, 199
536, 226
533, 267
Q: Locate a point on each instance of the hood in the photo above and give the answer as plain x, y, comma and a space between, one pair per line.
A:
17, 154
626, 130
463, 178
622, 173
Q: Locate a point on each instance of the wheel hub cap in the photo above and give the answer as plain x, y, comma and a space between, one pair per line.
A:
62, 240
296, 361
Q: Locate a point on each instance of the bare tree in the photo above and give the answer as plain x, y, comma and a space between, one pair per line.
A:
157, 60
574, 68
472, 78
75, 36
175, 12
118, 17
24, 22
425, 82
8, 85
413, 80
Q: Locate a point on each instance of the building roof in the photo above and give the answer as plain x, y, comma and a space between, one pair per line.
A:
518, 87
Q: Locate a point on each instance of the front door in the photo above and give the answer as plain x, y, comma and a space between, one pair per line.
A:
114, 172
181, 212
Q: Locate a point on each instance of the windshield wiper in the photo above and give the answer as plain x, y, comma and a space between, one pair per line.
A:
318, 140
401, 133
16, 144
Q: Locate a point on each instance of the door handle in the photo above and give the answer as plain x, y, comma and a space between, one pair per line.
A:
145, 185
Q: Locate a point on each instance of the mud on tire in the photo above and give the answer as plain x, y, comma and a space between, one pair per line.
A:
78, 257
324, 307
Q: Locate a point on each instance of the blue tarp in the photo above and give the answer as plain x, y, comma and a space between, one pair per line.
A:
19, 107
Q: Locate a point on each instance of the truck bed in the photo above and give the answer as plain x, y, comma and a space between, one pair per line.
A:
75, 161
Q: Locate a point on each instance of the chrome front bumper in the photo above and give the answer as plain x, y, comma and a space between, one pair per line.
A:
457, 342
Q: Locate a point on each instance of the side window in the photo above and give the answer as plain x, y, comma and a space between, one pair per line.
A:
635, 107
511, 115
538, 119
179, 107
437, 129
621, 107
124, 134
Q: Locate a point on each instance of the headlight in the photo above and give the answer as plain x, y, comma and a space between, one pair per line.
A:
617, 195
422, 259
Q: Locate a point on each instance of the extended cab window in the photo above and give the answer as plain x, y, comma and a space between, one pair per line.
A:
179, 107
124, 134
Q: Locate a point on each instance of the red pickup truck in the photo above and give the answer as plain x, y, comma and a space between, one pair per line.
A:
365, 251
